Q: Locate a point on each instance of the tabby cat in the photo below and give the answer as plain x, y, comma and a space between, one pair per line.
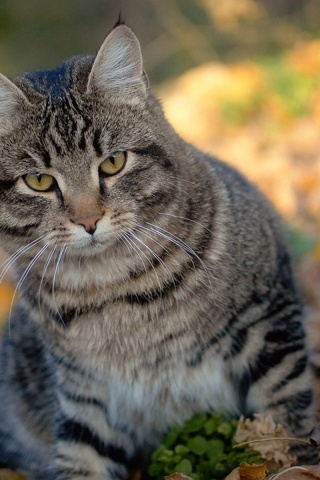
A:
155, 281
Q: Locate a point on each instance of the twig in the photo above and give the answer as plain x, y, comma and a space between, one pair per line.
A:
276, 476
258, 440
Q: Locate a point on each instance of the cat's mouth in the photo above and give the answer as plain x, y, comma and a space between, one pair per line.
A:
91, 245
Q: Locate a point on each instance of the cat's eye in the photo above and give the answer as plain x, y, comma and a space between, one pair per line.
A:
113, 164
41, 182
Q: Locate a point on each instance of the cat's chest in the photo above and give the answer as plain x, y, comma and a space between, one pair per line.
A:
156, 399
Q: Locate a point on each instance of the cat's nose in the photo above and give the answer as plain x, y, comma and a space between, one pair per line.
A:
89, 222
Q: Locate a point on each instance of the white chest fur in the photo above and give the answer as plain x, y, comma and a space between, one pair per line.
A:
160, 399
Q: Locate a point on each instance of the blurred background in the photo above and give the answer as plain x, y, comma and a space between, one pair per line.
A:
238, 78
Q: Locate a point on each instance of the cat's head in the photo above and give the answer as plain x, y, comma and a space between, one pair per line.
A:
84, 151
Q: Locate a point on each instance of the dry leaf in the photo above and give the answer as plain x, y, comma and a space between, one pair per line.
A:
177, 476
248, 472
6, 474
275, 452
234, 475
305, 472
257, 471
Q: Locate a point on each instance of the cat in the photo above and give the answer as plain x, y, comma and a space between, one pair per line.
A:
155, 280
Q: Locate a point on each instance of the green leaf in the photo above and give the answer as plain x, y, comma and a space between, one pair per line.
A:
214, 447
168, 469
181, 449
154, 469
220, 467
184, 467
161, 454
195, 424
197, 445
195, 476
171, 437
225, 429
176, 458
211, 425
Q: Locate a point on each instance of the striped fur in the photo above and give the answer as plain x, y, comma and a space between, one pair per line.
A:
177, 298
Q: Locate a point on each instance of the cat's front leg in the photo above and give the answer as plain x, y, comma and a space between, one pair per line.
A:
295, 413
87, 447
78, 461
281, 386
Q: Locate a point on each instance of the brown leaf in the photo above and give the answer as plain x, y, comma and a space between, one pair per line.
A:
256, 471
177, 476
248, 472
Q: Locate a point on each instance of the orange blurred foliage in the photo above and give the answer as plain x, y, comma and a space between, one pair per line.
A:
6, 294
306, 58
268, 130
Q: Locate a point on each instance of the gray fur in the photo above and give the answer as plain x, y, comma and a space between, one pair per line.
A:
146, 296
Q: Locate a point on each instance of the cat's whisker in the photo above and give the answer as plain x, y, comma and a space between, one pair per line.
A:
214, 234
131, 246
43, 275
24, 276
172, 240
56, 270
143, 229
189, 220
183, 246
193, 264
180, 243
9, 262
132, 237
156, 256
33, 261
65, 249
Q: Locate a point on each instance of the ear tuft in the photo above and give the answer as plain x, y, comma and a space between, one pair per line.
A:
120, 21
117, 71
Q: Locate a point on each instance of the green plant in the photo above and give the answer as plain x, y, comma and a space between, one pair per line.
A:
294, 88
202, 448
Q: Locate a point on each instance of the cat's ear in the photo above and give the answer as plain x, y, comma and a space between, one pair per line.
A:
11, 97
11, 100
117, 71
